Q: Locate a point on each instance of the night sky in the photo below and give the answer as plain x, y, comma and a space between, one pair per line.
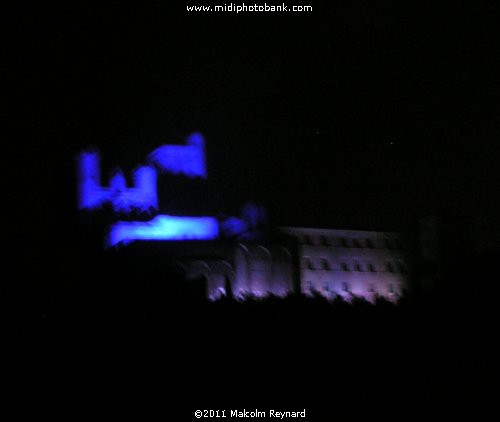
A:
357, 115
353, 116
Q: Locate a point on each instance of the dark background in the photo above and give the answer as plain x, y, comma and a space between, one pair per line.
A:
355, 115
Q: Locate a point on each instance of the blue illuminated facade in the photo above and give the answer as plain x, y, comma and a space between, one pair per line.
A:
188, 159
93, 196
164, 228
333, 263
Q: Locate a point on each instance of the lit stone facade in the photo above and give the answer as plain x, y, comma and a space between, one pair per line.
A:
332, 263
232, 254
243, 269
352, 263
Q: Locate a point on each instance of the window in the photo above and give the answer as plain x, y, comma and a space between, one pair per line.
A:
356, 243
310, 265
369, 243
325, 264
307, 263
343, 242
344, 266
323, 240
357, 267
389, 244
371, 268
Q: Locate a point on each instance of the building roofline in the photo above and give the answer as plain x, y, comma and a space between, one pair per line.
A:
321, 230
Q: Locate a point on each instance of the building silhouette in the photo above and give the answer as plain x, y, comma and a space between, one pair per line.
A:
241, 256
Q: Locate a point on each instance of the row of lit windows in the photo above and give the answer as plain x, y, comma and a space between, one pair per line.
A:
356, 266
352, 243
347, 288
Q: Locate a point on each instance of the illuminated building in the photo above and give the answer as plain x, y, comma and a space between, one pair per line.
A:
92, 195
352, 263
233, 254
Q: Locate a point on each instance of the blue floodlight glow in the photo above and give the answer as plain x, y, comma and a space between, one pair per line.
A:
246, 227
91, 195
164, 227
186, 159
233, 226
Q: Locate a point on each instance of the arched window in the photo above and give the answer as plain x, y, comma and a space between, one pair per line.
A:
344, 266
325, 264
371, 268
357, 267
310, 286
